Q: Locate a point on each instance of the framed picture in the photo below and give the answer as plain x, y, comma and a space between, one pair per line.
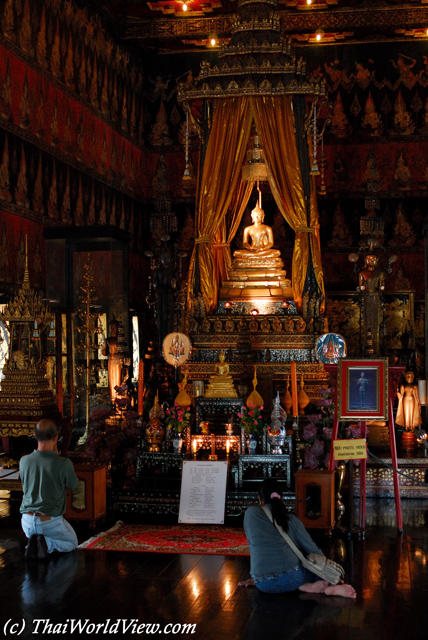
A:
363, 389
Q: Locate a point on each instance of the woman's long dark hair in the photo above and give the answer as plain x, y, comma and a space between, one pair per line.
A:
279, 511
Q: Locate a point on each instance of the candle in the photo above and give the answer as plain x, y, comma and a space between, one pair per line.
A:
213, 444
194, 446
294, 388
227, 447
140, 387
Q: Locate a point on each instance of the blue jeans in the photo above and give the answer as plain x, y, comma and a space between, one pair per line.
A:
289, 581
59, 534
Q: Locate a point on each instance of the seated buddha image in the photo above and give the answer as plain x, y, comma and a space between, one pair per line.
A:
257, 239
402, 173
257, 270
220, 384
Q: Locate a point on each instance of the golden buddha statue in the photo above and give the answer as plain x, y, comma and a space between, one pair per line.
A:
257, 238
257, 271
220, 384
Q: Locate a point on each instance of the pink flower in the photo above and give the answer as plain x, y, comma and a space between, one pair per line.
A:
324, 402
327, 432
314, 417
310, 461
354, 432
317, 448
309, 431
180, 419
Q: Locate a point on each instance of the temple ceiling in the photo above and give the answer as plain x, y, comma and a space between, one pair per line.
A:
163, 26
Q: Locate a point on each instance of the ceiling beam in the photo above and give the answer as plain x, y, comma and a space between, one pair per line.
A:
375, 18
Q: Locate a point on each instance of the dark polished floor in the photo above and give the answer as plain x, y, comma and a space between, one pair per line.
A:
389, 572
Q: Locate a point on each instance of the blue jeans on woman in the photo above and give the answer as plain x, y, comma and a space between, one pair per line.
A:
289, 581
59, 534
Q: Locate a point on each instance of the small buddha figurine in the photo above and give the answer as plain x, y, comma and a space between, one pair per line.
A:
257, 238
220, 385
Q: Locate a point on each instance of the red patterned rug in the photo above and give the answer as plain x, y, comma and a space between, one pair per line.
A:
204, 539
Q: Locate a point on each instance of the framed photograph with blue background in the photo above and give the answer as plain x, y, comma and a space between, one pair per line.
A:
363, 389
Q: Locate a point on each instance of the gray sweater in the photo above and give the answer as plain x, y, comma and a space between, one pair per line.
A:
270, 554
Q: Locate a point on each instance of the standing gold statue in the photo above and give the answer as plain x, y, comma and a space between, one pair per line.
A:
372, 285
409, 404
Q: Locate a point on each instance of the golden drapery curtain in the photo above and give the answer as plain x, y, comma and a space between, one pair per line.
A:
221, 185
273, 117
221, 176
227, 230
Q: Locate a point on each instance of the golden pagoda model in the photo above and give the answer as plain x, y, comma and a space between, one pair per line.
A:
257, 271
254, 399
25, 396
182, 398
220, 385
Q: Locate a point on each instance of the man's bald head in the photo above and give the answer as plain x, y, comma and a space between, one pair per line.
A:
45, 430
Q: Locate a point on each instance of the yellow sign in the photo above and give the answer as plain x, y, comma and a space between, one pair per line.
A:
350, 449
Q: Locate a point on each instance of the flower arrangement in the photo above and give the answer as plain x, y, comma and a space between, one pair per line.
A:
251, 419
112, 440
177, 418
318, 432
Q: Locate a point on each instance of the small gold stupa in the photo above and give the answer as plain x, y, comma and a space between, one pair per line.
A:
254, 399
182, 398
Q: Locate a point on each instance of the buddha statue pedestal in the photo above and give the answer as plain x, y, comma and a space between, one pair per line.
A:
256, 279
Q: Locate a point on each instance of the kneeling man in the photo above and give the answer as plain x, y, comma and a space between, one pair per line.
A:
45, 476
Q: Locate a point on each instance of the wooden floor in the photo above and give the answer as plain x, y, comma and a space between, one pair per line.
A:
389, 572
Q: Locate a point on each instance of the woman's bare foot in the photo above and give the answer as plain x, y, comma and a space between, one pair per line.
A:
246, 583
314, 587
344, 590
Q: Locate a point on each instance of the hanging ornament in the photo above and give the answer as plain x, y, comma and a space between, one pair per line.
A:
314, 170
187, 173
322, 190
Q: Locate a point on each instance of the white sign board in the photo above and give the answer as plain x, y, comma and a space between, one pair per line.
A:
203, 492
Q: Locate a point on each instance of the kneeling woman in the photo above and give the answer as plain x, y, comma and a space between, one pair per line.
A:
274, 566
